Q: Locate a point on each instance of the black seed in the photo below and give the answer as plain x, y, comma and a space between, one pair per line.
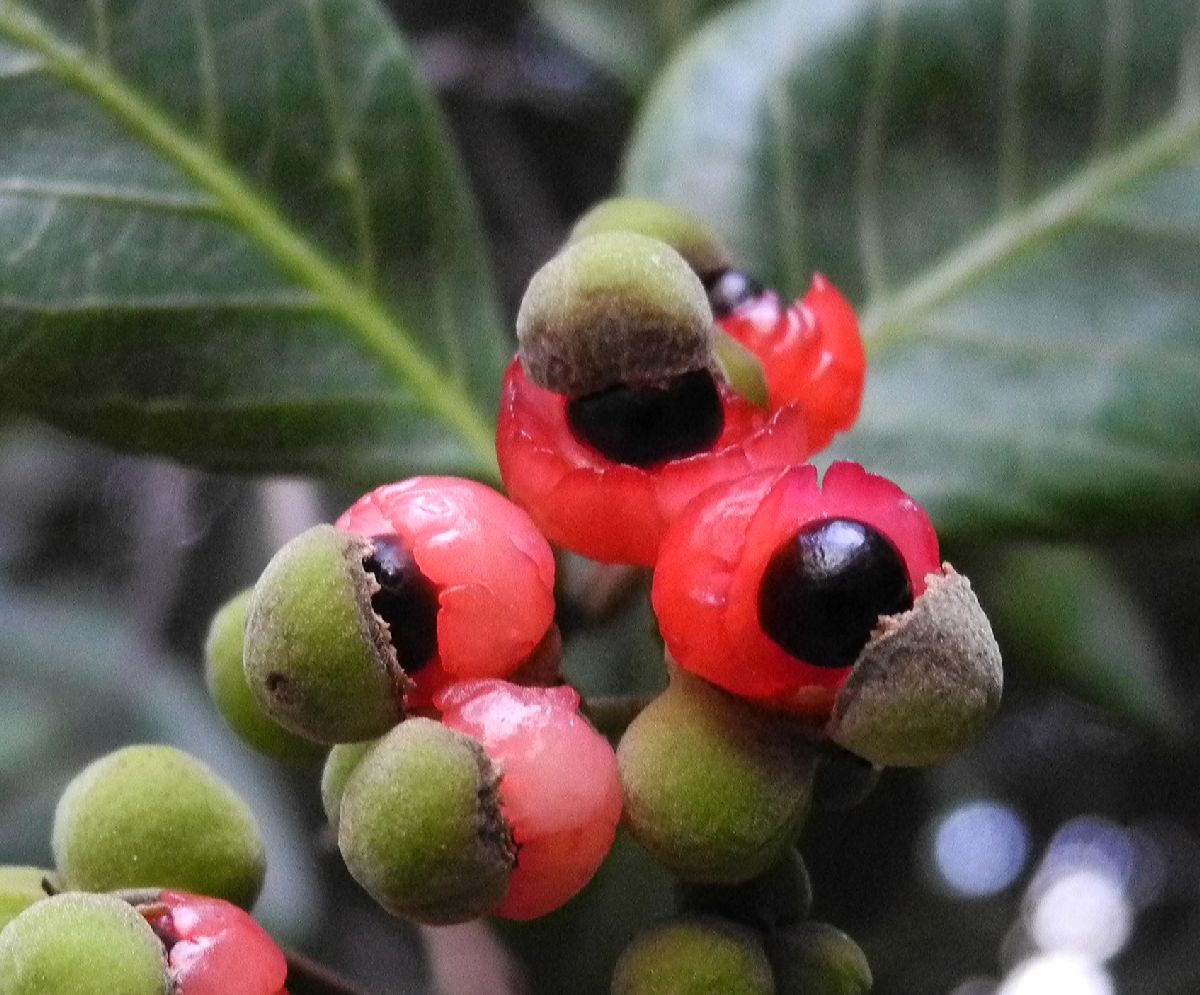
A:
825, 588
650, 424
729, 290
406, 601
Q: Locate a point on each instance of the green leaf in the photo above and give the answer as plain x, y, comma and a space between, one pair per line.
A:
1011, 195
1073, 623
232, 232
627, 39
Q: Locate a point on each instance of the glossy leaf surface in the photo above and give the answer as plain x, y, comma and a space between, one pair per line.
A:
1009, 193
231, 232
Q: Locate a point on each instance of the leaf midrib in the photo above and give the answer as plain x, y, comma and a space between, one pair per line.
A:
889, 321
373, 328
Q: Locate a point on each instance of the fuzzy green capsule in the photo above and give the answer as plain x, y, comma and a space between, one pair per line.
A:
154, 817
613, 308
225, 676
926, 684
694, 956
318, 658
715, 788
687, 235
20, 887
78, 944
341, 762
420, 826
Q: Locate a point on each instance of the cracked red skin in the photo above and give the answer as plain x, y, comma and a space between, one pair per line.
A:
493, 571
812, 355
613, 512
215, 948
706, 583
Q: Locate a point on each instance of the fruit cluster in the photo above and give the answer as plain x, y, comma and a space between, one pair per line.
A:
156, 860
661, 412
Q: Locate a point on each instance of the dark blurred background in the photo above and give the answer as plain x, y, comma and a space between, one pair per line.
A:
1059, 856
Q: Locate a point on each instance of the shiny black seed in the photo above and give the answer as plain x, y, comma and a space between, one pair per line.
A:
650, 423
729, 290
825, 588
406, 601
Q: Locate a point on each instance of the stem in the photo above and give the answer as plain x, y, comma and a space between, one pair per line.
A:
307, 977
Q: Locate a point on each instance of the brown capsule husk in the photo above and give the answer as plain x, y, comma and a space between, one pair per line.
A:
926, 683
614, 308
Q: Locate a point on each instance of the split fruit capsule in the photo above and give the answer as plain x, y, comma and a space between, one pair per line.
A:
508, 806
615, 413
420, 583
827, 600
809, 353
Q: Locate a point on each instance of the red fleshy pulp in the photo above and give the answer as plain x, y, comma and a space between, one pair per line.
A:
812, 355
559, 789
493, 570
706, 583
613, 512
215, 948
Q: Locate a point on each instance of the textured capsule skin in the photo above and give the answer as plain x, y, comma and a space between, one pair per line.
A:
420, 825
492, 568
79, 944
927, 682
814, 958
694, 956
317, 657
715, 789
152, 816
339, 765
225, 676
559, 788
687, 235
613, 308
20, 887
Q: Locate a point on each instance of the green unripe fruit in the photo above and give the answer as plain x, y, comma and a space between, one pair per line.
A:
318, 658
687, 235
814, 958
715, 788
614, 308
926, 684
76, 944
226, 679
20, 887
155, 817
700, 956
420, 826
781, 895
342, 761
